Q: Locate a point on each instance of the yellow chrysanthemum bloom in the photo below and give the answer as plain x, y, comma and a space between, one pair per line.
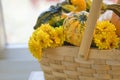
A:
106, 40
43, 37
53, 33
57, 37
47, 28
105, 26
105, 36
37, 42
60, 34
35, 48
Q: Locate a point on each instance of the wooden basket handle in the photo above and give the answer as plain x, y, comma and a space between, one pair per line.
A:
91, 22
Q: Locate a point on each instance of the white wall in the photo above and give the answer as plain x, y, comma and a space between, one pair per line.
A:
2, 37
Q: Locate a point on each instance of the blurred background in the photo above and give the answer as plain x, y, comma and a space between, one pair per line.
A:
18, 19
20, 16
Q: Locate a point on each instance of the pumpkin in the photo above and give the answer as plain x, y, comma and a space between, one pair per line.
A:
74, 26
116, 21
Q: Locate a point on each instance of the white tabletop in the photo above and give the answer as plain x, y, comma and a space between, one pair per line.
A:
36, 75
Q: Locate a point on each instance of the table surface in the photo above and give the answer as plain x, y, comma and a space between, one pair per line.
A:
36, 75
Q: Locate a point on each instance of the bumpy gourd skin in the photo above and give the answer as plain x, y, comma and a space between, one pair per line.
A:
74, 27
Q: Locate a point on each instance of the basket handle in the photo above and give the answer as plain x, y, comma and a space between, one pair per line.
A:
88, 35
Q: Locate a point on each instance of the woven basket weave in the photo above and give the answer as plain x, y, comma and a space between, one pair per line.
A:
64, 63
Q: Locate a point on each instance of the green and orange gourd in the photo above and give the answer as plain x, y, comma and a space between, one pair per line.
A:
74, 26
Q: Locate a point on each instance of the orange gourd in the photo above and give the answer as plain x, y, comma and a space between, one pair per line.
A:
116, 21
80, 5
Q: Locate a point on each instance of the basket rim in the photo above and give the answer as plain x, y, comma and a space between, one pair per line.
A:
94, 53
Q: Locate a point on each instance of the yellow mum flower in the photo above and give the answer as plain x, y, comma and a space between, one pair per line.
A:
43, 37
106, 40
35, 48
37, 42
47, 28
57, 37
105, 26
60, 34
55, 40
105, 36
114, 41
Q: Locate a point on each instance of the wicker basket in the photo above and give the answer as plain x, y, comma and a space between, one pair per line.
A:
67, 62
62, 63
